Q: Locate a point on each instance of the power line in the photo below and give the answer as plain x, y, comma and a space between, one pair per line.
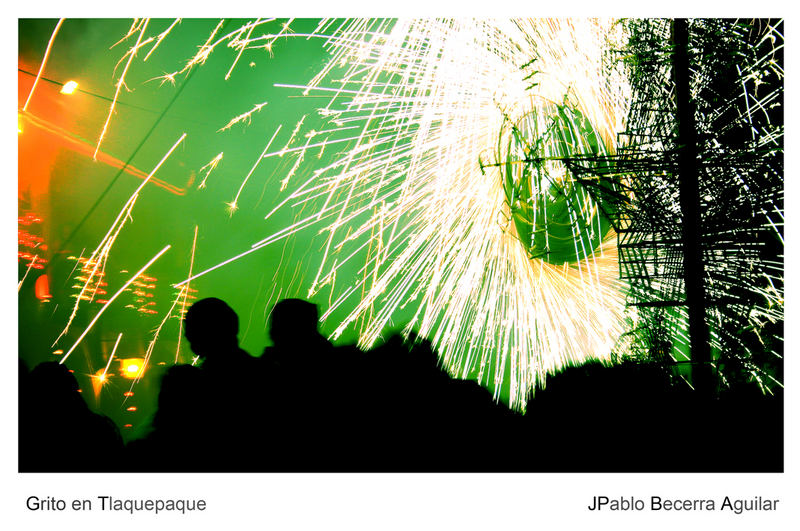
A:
127, 162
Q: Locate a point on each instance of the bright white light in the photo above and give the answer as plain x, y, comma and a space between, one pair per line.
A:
69, 87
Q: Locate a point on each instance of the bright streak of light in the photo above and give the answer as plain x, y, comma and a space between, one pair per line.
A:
105, 306
431, 99
111, 357
44, 62
120, 83
152, 345
242, 117
208, 47
211, 165
233, 204
135, 25
241, 50
185, 292
262, 244
19, 287
280, 235
306, 147
161, 38
97, 260
415, 210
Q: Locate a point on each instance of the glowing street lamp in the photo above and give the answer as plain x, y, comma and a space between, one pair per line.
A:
69, 87
132, 368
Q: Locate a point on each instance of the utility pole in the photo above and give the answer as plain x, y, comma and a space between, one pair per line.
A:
688, 177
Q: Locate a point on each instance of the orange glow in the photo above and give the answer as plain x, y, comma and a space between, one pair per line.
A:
132, 368
43, 288
98, 380
132, 408
78, 145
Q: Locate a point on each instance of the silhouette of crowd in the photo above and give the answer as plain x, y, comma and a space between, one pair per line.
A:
305, 405
58, 432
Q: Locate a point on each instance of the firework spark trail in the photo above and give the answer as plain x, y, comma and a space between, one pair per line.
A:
77, 262
98, 259
19, 286
156, 332
241, 47
211, 165
431, 96
203, 49
44, 62
111, 357
185, 292
160, 38
234, 41
431, 99
282, 234
106, 305
242, 117
136, 23
233, 205
120, 83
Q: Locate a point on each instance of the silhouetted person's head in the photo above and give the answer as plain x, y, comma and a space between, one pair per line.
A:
51, 384
211, 327
293, 321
